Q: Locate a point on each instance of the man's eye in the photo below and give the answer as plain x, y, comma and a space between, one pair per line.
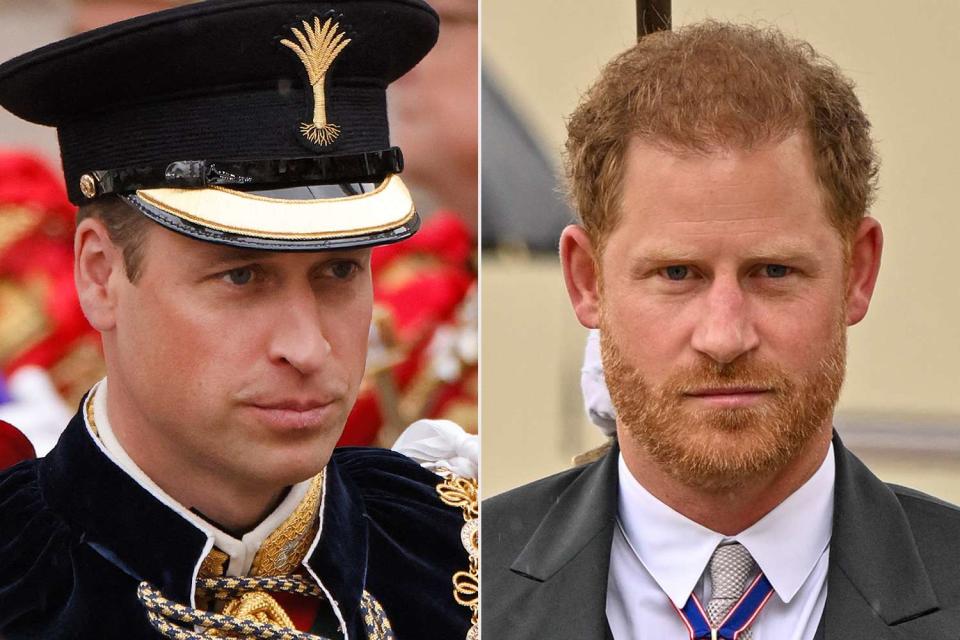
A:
676, 272
239, 276
343, 269
776, 271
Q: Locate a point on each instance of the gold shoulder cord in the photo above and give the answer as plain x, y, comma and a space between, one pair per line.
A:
457, 491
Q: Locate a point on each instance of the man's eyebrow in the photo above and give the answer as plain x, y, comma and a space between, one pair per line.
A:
678, 254
229, 255
666, 254
784, 251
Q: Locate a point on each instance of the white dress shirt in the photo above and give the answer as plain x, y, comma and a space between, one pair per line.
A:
241, 551
659, 557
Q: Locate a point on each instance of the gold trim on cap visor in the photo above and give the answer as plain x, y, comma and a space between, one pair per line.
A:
386, 207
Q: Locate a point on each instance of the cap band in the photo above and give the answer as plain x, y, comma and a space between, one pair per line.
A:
371, 166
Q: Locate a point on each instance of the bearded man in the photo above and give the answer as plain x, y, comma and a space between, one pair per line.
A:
722, 175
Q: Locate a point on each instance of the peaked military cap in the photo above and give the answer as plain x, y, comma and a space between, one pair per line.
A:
253, 123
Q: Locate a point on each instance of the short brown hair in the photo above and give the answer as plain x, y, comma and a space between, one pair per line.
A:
713, 85
127, 229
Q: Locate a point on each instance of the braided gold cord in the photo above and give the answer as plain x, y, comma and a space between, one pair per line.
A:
258, 606
223, 588
254, 614
375, 621
162, 611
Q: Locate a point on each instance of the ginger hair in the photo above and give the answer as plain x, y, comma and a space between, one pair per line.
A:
712, 86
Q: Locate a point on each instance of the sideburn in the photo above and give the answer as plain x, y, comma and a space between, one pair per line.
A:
126, 227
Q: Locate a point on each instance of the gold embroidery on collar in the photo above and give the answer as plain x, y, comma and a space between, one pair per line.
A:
279, 555
284, 549
456, 491
89, 411
214, 565
318, 48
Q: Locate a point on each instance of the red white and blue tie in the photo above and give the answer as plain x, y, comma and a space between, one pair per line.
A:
735, 600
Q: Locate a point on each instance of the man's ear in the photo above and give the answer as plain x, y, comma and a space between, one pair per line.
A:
580, 275
96, 267
864, 267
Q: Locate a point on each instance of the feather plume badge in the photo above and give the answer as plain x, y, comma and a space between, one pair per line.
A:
317, 46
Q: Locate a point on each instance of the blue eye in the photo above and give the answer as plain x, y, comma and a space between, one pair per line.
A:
239, 276
777, 270
677, 272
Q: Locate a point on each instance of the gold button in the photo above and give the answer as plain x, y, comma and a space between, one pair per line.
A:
88, 185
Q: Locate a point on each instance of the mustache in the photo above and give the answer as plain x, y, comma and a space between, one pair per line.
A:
748, 373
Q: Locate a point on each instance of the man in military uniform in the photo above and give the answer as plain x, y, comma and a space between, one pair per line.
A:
232, 166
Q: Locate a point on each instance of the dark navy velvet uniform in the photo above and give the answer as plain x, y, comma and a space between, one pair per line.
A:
77, 535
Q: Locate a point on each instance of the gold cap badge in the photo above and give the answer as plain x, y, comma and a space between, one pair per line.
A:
318, 46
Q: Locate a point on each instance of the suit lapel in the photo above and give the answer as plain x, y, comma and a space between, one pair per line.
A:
877, 586
569, 555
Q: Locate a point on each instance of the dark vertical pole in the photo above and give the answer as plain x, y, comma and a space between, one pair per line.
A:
652, 15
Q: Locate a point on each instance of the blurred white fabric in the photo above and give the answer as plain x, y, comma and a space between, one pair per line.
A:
596, 397
441, 443
35, 408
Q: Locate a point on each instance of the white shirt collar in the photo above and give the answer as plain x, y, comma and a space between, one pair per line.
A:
241, 551
675, 550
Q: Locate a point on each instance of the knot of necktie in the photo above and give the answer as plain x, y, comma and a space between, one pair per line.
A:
731, 568
735, 598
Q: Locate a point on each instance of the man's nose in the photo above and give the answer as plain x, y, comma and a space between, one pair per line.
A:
725, 329
297, 336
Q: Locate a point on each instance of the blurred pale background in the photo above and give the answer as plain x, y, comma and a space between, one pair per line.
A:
900, 408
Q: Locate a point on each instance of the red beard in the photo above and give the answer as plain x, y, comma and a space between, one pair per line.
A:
718, 449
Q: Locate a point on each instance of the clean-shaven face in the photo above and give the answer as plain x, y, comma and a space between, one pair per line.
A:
723, 309
245, 363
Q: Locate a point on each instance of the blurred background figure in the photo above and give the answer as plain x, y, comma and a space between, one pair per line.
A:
524, 209
422, 361
14, 446
433, 114
90, 14
423, 347
900, 410
48, 353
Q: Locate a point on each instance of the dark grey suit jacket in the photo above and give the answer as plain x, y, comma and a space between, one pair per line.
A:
894, 558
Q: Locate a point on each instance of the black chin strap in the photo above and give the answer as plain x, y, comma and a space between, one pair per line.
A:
371, 166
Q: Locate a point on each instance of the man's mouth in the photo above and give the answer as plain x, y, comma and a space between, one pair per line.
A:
729, 396
292, 413
292, 404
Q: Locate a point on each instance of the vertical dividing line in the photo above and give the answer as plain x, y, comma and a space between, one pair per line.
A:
653, 15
